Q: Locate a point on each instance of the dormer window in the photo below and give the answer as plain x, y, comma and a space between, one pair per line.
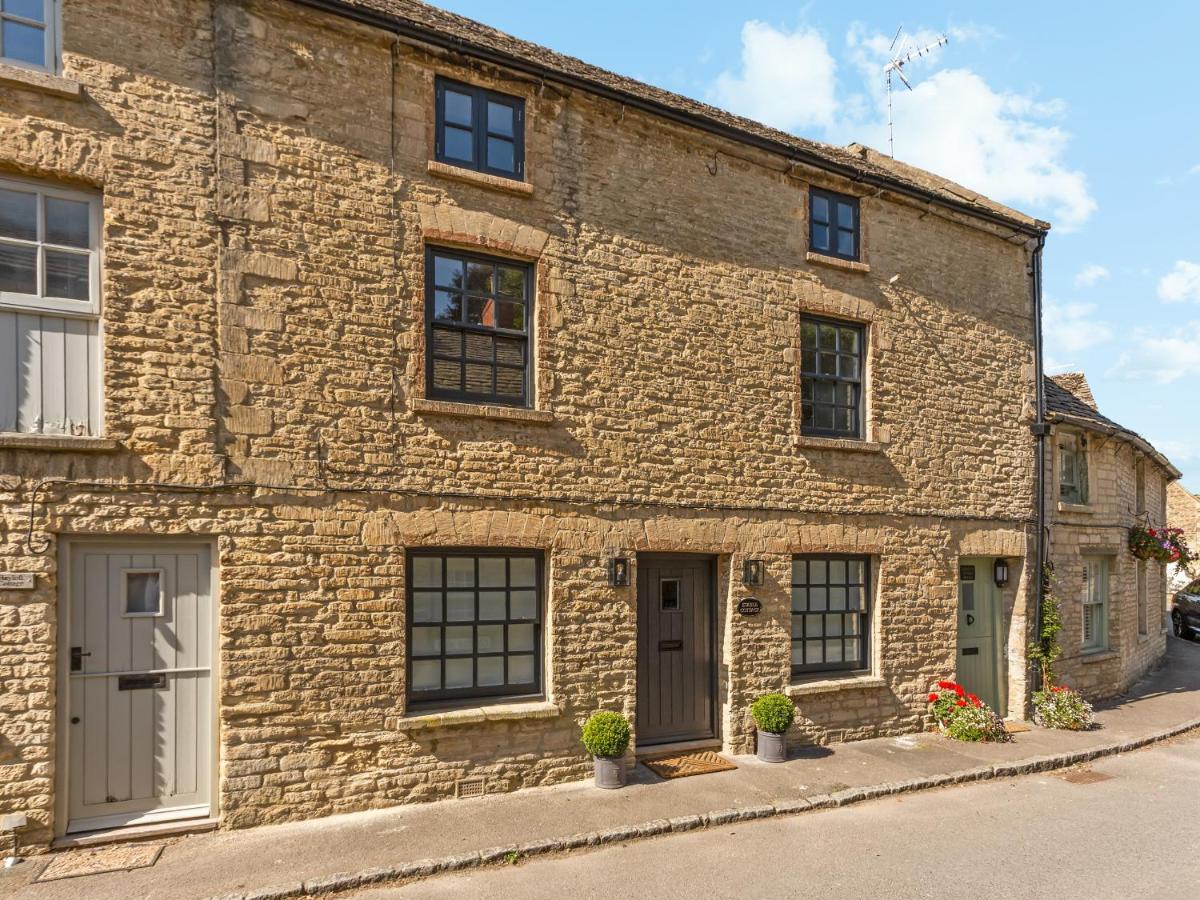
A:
1072, 469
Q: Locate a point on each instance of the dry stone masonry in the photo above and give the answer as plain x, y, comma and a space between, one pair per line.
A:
269, 190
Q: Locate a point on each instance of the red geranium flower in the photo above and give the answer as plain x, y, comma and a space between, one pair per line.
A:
947, 685
960, 702
933, 698
958, 689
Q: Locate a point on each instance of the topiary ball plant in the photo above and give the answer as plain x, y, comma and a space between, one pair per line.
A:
773, 713
606, 734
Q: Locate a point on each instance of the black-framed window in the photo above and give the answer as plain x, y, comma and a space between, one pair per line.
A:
831, 601
480, 129
831, 377
477, 315
474, 624
833, 224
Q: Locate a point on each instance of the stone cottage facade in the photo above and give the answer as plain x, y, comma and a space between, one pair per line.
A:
1104, 479
1183, 511
382, 395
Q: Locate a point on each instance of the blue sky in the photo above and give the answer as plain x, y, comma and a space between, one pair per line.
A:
1082, 116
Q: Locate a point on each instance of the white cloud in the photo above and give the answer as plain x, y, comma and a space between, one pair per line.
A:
1001, 144
1162, 358
1090, 275
1072, 328
1181, 283
1005, 145
786, 80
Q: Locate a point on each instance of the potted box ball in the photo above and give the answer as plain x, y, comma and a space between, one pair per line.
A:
773, 714
606, 737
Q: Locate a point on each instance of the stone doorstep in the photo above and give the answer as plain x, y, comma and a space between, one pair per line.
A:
654, 751
135, 833
343, 882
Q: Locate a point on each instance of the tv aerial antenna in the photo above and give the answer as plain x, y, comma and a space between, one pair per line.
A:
903, 57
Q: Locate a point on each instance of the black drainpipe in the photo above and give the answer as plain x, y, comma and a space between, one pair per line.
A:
1040, 430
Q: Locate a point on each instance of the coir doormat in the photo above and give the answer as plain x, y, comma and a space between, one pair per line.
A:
101, 859
701, 762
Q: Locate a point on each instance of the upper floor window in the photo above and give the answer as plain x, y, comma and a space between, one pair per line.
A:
49, 309
833, 224
49, 247
27, 32
1072, 468
830, 613
831, 367
478, 310
480, 129
474, 624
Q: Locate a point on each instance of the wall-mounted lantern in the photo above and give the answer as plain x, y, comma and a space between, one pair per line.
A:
1000, 572
618, 571
752, 572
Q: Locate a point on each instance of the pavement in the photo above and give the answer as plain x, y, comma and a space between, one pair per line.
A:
1112, 833
347, 852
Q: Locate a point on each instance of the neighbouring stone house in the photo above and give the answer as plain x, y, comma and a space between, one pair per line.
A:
1183, 511
1104, 480
382, 395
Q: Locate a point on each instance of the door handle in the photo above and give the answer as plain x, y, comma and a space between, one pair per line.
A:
970, 619
77, 656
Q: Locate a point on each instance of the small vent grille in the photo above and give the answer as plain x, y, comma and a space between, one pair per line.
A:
470, 787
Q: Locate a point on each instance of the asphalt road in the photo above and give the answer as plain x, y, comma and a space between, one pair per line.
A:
1127, 829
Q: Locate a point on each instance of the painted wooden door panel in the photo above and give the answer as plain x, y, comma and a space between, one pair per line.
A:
978, 635
140, 685
675, 650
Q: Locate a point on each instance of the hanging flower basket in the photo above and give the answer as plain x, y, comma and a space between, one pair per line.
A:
1164, 545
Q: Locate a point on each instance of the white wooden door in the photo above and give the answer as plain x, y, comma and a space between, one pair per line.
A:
140, 637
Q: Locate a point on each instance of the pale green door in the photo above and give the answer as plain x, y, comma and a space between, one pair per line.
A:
978, 633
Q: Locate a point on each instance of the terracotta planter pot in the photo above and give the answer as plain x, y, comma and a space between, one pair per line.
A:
772, 748
610, 771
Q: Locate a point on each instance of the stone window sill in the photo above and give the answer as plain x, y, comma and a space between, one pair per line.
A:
846, 265
822, 443
57, 442
480, 179
832, 685
482, 411
44, 82
1099, 656
476, 715
1074, 508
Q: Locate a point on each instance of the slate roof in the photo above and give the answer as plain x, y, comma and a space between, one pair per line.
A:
473, 38
1065, 401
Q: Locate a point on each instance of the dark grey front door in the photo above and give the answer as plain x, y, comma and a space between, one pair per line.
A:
676, 662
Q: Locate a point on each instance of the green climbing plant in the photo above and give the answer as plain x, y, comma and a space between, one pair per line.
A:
1046, 650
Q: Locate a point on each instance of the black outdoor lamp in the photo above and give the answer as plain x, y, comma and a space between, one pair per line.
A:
1000, 572
752, 572
618, 571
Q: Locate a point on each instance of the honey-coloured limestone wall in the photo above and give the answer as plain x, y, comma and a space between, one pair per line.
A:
1100, 528
1183, 511
268, 198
